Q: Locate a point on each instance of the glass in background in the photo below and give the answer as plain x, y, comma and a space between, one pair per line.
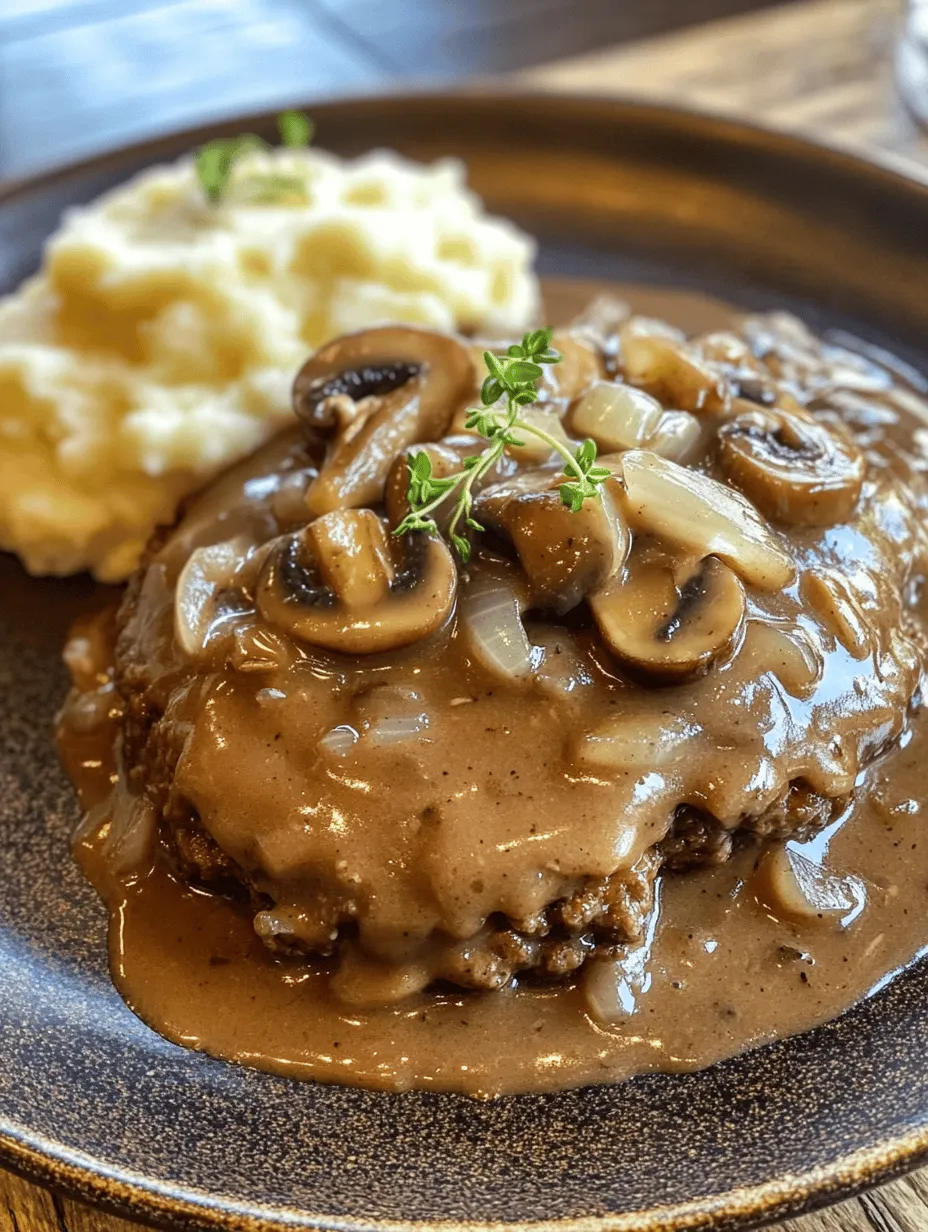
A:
912, 59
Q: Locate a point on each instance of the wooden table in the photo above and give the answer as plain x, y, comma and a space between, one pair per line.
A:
822, 66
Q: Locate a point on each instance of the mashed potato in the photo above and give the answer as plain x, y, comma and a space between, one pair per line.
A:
160, 338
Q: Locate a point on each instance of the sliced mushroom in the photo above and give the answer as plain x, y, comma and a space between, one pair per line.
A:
564, 555
703, 518
659, 359
794, 469
616, 415
353, 556
447, 457
730, 355
670, 622
792, 887
343, 585
404, 385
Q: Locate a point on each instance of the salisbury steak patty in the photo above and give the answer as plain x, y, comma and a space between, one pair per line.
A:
597, 918
423, 771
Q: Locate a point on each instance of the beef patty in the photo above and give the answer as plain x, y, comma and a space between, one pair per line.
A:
467, 774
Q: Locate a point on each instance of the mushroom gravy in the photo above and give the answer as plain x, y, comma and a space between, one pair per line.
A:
415, 813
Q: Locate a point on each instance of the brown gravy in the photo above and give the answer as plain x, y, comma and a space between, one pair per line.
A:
718, 971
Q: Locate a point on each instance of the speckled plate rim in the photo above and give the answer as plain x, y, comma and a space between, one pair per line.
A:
139, 1197
781, 1197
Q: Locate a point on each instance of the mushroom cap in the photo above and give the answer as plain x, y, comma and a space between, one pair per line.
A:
358, 462
670, 622
445, 461
659, 359
564, 555
793, 468
374, 362
701, 517
405, 384
342, 584
324, 402
447, 458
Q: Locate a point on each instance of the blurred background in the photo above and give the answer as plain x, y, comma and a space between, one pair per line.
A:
81, 76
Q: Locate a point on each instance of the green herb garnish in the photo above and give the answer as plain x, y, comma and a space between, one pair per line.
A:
514, 376
215, 160
296, 129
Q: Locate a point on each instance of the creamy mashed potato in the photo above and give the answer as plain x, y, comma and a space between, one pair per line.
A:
160, 338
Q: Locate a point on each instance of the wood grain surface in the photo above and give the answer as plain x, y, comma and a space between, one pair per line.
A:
819, 66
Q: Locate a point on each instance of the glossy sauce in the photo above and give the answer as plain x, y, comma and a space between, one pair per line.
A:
715, 972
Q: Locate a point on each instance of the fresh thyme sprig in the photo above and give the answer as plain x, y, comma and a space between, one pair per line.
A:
513, 376
215, 160
296, 129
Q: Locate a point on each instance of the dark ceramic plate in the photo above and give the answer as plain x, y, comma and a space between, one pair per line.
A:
93, 1101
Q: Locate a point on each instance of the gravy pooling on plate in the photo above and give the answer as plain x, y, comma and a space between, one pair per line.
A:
636, 789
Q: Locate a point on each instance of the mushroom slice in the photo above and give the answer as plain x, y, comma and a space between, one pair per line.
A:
352, 552
405, 384
445, 461
343, 585
703, 518
616, 416
671, 622
447, 457
659, 359
793, 887
565, 555
358, 462
794, 469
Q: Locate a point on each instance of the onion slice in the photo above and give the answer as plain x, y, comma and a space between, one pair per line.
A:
491, 617
206, 572
702, 516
